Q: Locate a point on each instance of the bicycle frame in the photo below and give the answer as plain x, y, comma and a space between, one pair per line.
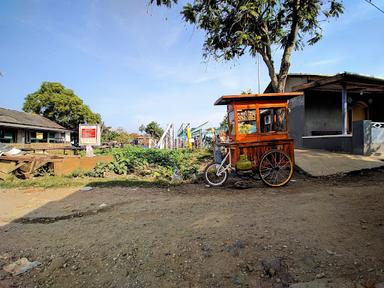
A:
228, 167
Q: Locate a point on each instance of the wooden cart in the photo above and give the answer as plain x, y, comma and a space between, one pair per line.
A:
258, 135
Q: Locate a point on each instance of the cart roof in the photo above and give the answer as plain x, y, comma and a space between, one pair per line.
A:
227, 99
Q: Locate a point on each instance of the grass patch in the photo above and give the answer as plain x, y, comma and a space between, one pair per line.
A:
62, 181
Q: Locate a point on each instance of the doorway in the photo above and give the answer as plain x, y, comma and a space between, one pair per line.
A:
360, 111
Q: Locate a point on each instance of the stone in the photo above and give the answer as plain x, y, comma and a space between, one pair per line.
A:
271, 266
312, 284
320, 275
236, 280
207, 250
239, 244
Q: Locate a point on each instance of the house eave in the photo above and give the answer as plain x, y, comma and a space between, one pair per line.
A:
23, 126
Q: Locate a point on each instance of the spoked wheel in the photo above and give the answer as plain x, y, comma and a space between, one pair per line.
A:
276, 168
214, 175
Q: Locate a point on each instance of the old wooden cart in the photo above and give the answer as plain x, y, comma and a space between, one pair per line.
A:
257, 140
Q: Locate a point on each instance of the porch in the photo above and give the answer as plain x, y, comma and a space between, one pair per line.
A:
344, 113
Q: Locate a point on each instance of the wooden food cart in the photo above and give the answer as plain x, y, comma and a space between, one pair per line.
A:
258, 135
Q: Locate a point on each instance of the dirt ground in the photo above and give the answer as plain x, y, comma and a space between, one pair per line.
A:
327, 232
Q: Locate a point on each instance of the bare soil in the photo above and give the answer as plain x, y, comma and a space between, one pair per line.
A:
327, 231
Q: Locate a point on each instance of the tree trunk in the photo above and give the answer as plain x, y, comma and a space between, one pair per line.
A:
286, 58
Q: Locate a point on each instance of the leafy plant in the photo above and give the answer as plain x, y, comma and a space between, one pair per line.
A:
153, 163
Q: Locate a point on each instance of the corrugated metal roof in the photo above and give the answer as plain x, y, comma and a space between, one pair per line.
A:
12, 117
350, 75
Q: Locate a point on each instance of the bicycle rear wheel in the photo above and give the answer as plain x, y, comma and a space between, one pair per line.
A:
276, 168
213, 176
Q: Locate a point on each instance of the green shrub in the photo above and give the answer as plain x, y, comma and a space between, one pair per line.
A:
154, 163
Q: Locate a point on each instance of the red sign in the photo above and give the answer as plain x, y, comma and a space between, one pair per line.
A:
88, 132
89, 135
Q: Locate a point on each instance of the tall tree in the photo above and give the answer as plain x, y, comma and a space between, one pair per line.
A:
236, 27
61, 105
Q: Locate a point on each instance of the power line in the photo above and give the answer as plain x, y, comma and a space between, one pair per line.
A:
374, 5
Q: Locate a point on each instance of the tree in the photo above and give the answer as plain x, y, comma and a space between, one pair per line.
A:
236, 27
154, 130
108, 135
224, 124
123, 136
60, 105
142, 128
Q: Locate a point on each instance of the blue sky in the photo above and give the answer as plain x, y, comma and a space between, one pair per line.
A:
134, 63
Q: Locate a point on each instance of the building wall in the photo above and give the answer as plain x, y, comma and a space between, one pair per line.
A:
296, 120
334, 143
296, 111
20, 137
377, 136
322, 113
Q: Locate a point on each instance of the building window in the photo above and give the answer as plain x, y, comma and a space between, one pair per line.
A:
231, 122
38, 137
7, 135
273, 120
52, 137
247, 121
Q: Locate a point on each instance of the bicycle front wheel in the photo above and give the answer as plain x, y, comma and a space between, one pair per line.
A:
215, 175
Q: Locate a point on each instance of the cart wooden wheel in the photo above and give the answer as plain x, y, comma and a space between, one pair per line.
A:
276, 168
213, 176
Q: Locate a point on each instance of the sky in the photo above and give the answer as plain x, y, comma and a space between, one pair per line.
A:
134, 63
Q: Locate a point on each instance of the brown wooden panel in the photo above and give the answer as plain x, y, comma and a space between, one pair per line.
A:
255, 150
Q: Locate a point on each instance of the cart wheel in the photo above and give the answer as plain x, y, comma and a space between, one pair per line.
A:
211, 175
276, 168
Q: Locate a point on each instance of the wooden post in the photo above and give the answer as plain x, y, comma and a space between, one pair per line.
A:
344, 110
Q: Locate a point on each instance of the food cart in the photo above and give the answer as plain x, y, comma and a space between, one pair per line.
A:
257, 139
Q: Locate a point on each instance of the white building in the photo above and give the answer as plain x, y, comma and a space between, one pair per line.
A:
25, 128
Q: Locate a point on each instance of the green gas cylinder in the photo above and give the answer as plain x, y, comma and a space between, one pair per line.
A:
243, 163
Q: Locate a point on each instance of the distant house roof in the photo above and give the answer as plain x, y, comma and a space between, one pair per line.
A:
17, 119
351, 81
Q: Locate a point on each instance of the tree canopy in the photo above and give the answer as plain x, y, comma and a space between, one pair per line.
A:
154, 130
60, 105
236, 27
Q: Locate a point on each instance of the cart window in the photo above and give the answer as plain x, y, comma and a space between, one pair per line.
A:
273, 119
247, 121
231, 122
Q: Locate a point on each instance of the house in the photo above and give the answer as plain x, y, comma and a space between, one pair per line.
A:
342, 112
26, 128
